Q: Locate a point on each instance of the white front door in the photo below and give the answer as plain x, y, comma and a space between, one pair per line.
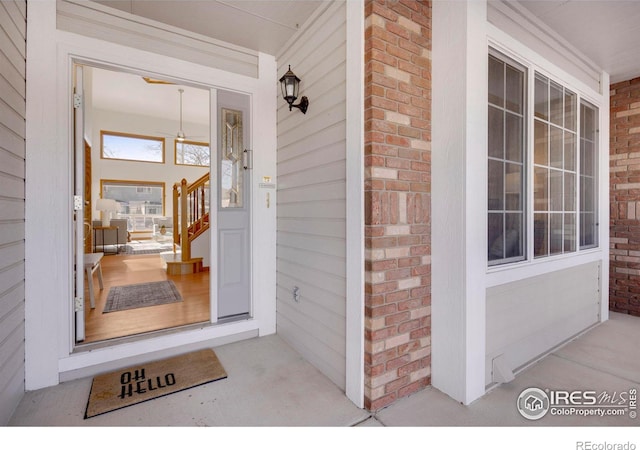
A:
234, 179
78, 215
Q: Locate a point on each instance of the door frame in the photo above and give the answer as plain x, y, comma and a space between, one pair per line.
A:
83, 173
262, 90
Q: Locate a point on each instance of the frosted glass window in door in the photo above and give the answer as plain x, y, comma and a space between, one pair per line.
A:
231, 167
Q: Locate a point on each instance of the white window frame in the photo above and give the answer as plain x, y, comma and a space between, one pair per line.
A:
535, 64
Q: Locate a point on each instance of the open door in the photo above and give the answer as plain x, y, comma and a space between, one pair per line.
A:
234, 260
78, 203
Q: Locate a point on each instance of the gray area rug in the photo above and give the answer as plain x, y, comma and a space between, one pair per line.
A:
141, 295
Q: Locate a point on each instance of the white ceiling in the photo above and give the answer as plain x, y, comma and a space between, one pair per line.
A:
606, 31
119, 91
262, 25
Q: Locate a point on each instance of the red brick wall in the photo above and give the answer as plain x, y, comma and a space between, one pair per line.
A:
624, 282
397, 199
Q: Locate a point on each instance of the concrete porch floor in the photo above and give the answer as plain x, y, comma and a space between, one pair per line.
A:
269, 384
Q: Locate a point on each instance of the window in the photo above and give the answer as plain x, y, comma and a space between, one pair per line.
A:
588, 175
131, 147
138, 201
554, 165
506, 204
231, 160
561, 181
191, 153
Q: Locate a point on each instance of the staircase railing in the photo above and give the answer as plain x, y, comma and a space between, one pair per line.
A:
190, 213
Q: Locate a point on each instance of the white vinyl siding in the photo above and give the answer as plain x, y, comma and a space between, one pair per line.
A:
13, 31
311, 233
527, 318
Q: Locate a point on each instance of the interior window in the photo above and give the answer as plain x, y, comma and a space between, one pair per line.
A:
192, 153
138, 201
131, 147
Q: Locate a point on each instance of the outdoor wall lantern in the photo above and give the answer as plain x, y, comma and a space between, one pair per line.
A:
290, 84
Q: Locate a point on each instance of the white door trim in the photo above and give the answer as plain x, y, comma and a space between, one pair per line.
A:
213, 206
58, 283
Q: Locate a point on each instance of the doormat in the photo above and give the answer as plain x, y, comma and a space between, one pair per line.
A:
127, 387
141, 295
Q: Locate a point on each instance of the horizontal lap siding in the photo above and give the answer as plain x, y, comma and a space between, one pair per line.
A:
527, 318
311, 236
13, 30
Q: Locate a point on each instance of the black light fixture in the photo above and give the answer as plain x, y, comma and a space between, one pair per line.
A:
290, 84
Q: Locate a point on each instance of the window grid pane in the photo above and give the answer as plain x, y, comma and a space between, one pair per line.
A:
564, 176
506, 205
555, 174
588, 175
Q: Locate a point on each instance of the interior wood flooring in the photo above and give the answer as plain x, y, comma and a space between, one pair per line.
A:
120, 270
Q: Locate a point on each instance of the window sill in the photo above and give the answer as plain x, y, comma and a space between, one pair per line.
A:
507, 273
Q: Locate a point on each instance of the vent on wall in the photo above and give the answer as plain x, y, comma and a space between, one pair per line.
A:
501, 373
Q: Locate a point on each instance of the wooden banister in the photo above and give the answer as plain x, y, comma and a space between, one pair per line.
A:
190, 213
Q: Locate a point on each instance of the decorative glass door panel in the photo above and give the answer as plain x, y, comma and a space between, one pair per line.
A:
231, 166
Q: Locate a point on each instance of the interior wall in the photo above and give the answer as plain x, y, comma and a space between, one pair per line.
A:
168, 173
311, 208
13, 34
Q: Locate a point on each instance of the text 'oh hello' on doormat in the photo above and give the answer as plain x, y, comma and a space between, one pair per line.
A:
127, 387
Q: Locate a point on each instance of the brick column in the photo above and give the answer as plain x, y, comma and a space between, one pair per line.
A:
624, 275
397, 199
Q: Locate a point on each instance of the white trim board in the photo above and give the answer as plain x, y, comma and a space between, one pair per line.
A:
355, 202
